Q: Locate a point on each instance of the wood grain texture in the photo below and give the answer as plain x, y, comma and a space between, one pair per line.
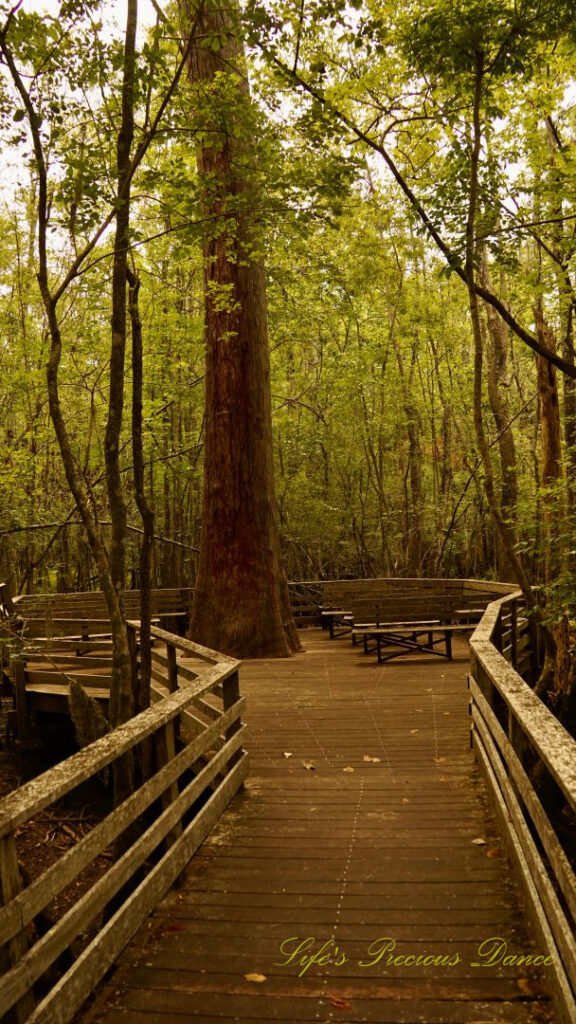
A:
385, 850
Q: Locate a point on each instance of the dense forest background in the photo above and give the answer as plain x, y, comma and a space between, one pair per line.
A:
377, 388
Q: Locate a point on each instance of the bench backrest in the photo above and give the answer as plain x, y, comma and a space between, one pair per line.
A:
340, 593
407, 600
413, 609
72, 613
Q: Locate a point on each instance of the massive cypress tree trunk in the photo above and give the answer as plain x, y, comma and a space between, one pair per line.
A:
241, 603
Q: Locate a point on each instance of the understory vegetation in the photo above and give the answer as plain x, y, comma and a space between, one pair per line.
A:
410, 175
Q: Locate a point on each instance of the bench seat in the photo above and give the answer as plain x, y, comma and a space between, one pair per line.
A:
334, 619
421, 639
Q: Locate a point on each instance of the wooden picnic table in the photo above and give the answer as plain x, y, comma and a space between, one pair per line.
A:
423, 638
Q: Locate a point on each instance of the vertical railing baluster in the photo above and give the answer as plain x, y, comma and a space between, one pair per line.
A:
514, 634
18, 672
231, 694
12, 952
134, 665
497, 632
172, 669
166, 744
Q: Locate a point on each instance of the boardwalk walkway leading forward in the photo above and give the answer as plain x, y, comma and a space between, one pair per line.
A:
402, 850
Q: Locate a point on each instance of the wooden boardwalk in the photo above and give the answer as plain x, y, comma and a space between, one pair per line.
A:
400, 852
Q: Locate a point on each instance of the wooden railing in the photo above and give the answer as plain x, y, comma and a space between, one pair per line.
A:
191, 738
517, 739
6, 605
65, 614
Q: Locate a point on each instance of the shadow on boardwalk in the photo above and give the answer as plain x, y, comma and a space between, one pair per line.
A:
387, 855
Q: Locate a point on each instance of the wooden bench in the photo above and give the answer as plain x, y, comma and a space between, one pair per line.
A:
337, 604
337, 621
363, 629
396, 616
341, 621
349, 603
305, 603
86, 612
425, 639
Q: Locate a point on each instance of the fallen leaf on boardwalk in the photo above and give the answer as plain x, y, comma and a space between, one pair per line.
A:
348, 770
255, 977
479, 842
440, 760
287, 753
368, 757
530, 986
446, 712
405, 800
340, 1004
494, 852
414, 731
309, 766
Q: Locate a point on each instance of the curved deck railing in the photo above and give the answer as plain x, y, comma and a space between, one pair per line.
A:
192, 736
196, 697
512, 732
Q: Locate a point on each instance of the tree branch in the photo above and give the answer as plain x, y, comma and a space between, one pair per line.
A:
451, 258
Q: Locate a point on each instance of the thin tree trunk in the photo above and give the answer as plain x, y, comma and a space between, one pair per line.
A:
121, 695
118, 342
497, 352
566, 304
506, 537
141, 680
556, 670
414, 494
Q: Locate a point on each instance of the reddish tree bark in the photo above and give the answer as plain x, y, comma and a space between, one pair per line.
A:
241, 603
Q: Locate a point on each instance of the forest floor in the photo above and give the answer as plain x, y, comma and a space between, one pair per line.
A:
48, 835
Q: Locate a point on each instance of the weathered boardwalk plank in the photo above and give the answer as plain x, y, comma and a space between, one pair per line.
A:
350, 858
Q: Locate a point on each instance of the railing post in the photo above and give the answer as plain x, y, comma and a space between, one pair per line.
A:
497, 632
172, 669
534, 647
470, 706
133, 649
514, 634
12, 952
18, 672
518, 740
6, 605
49, 625
231, 694
166, 745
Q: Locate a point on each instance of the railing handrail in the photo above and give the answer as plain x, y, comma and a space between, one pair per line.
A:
52, 595
491, 584
188, 786
511, 730
550, 739
23, 803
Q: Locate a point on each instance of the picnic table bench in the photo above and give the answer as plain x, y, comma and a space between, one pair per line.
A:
67, 614
420, 615
337, 621
422, 638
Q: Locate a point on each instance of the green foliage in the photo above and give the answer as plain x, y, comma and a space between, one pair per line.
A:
370, 338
